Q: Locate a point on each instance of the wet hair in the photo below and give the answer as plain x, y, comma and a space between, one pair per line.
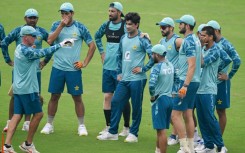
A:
209, 31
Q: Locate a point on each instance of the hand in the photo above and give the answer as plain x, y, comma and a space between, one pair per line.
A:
145, 35
223, 76
78, 65
182, 92
11, 63
42, 64
67, 42
64, 21
102, 57
154, 98
119, 77
137, 70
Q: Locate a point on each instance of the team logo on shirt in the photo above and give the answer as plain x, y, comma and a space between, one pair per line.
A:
74, 35
134, 47
76, 87
169, 47
219, 102
39, 38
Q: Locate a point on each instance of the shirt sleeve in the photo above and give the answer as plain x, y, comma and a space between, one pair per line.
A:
236, 60
12, 36
33, 54
119, 57
153, 79
98, 36
226, 60
211, 57
45, 38
147, 47
85, 34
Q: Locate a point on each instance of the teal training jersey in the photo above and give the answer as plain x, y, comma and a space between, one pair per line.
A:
190, 47
131, 53
25, 78
211, 58
172, 54
65, 58
14, 35
110, 61
161, 79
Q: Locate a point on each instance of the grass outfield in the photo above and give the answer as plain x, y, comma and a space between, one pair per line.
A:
230, 15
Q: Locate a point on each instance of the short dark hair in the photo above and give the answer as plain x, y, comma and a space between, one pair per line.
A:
209, 31
133, 16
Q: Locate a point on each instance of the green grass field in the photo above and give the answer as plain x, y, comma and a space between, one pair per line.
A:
229, 13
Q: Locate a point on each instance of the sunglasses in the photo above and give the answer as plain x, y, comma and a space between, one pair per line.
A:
163, 27
34, 36
32, 17
112, 5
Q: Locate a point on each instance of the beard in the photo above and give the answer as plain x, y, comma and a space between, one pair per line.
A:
165, 34
112, 18
182, 31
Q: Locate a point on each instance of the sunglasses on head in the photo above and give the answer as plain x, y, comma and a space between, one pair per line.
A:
163, 27
32, 17
111, 5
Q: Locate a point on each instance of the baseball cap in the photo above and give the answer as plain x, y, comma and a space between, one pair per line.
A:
67, 7
28, 30
188, 19
117, 6
159, 49
214, 24
31, 12
199, 29
166, 21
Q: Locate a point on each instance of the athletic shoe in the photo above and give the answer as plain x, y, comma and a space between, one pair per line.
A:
196, 143
8, 150
5, 129
207, 150
223, 150
82, 131
182, 150
124, 132
172, 140
200, 146
28, 149
131, 138
106, 129
48, 128
26, 126
107, 136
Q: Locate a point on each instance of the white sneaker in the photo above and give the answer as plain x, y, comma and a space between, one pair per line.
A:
48, 128
82, 131
107, 136
5, 129
182, 150
106, 129
26, 126
223, 150
207, 150
172, 141
124, 132
200, 146
28, 149
8, 150
131, 138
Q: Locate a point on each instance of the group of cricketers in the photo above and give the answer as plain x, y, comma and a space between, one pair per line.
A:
187, 73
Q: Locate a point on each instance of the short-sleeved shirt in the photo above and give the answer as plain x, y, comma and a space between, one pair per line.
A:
190, 47
67, 56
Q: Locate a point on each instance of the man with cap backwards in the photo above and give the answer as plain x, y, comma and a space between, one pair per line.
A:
189, 74
132, 78
2, 36
172, 42
25, 86
205, 99
224, 77
114, 29
160, 87
31, 18
67, 65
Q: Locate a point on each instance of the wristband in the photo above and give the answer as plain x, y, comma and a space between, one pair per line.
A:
185, 85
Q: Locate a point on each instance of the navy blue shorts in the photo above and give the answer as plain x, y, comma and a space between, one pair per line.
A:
161, 112
189, 100
109, 81
72, 79
223, 95
27, 104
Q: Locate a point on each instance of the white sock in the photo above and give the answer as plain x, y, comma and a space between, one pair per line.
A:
191, 144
